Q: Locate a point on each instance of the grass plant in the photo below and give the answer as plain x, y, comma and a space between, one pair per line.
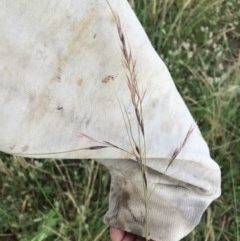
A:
64, 200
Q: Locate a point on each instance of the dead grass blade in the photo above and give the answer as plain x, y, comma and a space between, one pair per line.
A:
179, 149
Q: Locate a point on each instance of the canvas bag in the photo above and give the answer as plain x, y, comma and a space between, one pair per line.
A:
80, 79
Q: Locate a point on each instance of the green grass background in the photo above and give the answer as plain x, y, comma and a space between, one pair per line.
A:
199, 40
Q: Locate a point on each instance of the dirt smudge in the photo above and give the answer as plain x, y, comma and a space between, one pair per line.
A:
106, 79
38, 108
81, 37
79, 82
25, 148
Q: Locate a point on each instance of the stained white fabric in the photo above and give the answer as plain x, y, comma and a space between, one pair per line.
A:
64, 94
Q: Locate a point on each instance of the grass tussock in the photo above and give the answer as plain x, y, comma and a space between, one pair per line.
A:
52, 200
200, 43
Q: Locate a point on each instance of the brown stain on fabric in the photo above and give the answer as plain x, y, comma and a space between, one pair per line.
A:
80, 39
58, 74
79, 82
106, 79
58, 70
25, 148
124, 197
38, 109
12, 147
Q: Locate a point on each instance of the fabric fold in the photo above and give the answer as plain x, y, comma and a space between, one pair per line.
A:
174, 207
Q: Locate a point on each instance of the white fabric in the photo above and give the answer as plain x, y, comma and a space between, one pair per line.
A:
63, 89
